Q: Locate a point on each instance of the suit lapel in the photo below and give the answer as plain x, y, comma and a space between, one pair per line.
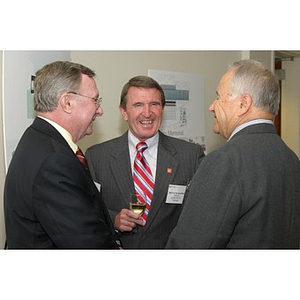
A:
121, 167
167, 166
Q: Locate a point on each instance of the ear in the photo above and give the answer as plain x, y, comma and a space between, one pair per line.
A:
65, 103
123, 113
245, 104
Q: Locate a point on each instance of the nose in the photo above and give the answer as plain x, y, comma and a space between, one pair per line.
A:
99, 111
147, 110
212, 106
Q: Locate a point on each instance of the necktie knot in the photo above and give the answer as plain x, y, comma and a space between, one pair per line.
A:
81, 157
141, 147
79, 152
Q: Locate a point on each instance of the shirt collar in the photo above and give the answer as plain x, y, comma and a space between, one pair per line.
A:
66, 135
252, 122
152, 142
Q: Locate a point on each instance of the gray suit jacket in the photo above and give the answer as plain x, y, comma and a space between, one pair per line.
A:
246, 194
109, 163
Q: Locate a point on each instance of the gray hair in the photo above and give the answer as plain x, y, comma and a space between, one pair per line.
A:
54, 79
253, 78
143, 82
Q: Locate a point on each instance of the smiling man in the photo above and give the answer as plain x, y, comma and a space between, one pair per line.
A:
169, 164
50, 199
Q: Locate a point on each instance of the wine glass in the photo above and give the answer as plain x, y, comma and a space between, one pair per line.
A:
137, 203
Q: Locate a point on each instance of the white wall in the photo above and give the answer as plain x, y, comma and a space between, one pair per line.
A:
115, 68
290, 105
2, 164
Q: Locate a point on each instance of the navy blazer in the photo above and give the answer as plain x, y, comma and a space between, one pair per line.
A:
245, 194
109, 163
50, 199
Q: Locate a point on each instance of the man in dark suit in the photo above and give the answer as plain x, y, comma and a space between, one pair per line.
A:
173, 163
245, 194
50, 198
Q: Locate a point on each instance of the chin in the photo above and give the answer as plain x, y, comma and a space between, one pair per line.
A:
148, 135
89, 130
216, 130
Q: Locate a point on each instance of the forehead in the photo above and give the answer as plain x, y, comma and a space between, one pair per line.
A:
143, 94
88, 83
225, 80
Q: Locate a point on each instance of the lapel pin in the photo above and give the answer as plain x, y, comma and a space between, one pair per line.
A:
169, 170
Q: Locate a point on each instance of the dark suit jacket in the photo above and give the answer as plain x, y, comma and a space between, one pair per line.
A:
109, 163
246, 194
50, 199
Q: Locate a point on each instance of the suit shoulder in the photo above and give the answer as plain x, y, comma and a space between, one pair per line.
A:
183, 145
104, 145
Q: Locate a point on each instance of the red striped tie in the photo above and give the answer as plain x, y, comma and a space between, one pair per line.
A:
142, 177
82, 159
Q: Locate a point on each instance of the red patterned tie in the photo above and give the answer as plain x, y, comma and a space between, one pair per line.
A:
142, 177
82, 159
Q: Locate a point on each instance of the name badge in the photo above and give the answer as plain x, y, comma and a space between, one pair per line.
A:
175, 194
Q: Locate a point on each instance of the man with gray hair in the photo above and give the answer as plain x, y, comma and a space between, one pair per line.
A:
50, 199
245, 194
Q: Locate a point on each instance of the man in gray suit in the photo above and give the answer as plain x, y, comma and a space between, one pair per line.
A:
173, 163
246, 194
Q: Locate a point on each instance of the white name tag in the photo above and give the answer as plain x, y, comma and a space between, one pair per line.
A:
175, 194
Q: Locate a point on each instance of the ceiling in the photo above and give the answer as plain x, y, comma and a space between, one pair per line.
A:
287, 55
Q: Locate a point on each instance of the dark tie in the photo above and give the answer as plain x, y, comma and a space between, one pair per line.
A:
82, 159
142, 177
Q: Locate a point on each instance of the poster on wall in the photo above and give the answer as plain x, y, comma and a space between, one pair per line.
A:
184, 110
19, 68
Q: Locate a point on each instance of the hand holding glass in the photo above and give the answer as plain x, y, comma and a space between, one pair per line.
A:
137, 205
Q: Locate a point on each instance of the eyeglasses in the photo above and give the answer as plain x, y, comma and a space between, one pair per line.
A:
97, 101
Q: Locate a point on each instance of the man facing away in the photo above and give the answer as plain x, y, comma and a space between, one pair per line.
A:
50, 198
245, 194
172, 163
